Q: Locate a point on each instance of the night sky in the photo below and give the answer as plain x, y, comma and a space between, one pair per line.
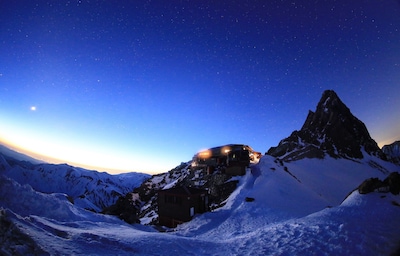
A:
143, 85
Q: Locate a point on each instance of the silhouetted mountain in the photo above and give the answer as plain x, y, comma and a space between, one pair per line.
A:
392, 152
332, 129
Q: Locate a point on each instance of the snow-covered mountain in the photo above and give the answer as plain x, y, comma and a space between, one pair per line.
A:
90, 190
304, 201
331, 130
287, 217
392, 152
323, 182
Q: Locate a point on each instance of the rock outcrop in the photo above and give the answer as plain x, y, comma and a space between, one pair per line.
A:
390, 184
392, 152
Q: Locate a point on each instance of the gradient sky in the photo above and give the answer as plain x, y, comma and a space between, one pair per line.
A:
143, 85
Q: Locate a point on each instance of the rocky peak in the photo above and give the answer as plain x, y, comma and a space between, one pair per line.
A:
392, 152
330, 111
332, 129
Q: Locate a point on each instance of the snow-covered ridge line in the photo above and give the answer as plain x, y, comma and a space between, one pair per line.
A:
90, 190
286, 217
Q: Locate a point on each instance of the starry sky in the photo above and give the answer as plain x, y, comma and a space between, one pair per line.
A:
143, 85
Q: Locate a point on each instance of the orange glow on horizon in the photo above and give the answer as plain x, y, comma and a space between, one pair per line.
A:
55, 160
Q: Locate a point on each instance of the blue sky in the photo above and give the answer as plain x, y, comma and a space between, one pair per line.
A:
144, 85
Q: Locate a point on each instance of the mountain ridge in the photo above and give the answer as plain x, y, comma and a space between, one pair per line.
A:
392, 152
91, 190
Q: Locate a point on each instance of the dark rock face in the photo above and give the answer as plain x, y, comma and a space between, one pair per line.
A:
393, 182
124, 208
142, 202
392, 152
370, 185
332, 129
390, 184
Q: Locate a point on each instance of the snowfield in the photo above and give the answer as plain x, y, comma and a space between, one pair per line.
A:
305, 207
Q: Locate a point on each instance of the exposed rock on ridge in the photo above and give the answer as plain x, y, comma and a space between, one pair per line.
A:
392, 152
332, 129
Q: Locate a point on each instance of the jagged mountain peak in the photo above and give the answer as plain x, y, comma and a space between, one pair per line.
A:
329, 107
332, 129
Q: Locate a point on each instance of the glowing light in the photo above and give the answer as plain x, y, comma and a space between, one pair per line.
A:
225, 150
205, 154
33, 108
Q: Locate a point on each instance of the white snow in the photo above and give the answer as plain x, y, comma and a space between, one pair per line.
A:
88, 189
298, 209
171, 185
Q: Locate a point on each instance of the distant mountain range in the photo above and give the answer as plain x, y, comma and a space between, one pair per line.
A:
90, 190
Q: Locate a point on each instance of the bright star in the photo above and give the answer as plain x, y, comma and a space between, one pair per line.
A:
33, 108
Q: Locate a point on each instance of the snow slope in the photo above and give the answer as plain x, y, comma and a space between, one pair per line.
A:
298, 209
288, 190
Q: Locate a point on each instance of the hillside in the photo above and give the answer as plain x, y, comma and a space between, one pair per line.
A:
329, 133
287, 216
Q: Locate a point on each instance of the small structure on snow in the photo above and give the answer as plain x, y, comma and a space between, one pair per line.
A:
180, 204
231, 159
